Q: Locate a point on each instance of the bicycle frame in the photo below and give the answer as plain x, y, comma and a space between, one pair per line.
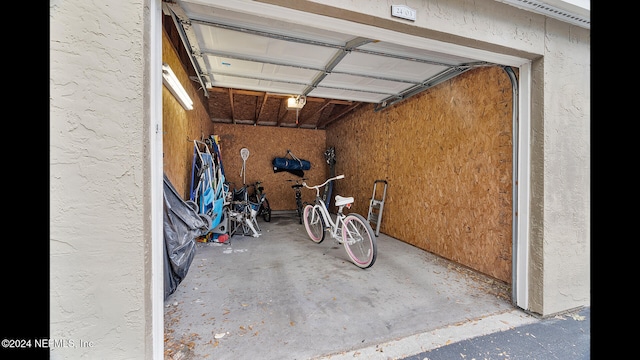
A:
298, 194
258, 192
335, 226
351, 230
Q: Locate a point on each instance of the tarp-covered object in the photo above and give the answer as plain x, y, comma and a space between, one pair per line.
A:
182, 225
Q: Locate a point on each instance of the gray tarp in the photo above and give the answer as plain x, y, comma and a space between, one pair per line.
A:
182, 225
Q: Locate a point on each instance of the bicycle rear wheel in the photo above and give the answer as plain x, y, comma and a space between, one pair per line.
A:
313, 223
299, 209
359, 241
266, 210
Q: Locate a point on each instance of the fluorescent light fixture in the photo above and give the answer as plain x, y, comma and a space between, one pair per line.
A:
296, 103
172, 83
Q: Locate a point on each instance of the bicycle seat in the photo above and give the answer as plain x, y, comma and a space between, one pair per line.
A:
341, 200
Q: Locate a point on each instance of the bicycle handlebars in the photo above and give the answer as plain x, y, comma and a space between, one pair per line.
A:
317, 187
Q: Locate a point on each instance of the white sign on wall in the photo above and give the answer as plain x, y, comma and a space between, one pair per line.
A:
403, 11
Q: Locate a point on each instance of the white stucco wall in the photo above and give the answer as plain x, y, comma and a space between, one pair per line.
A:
97, 268
567, 155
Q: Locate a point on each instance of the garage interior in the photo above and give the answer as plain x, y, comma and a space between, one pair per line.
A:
437, 127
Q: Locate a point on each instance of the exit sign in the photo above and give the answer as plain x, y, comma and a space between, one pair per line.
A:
403, 11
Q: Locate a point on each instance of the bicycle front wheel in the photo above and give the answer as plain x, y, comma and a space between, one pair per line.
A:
359, 241
313, 223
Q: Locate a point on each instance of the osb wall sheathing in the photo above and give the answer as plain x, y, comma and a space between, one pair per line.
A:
447, 156
264, 144
179, 126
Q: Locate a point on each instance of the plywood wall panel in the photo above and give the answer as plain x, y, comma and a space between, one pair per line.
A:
179, 126
265, 143
361, 151
447, 155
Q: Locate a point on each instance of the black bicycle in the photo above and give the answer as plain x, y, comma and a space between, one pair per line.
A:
299, 204
258, 196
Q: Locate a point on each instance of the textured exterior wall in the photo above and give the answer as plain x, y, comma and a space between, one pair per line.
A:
99, 262
566, 141
97, 141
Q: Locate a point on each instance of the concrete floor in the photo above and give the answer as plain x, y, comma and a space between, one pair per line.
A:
281, 296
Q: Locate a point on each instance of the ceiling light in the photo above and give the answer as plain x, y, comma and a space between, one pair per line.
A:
172, 83
296, 102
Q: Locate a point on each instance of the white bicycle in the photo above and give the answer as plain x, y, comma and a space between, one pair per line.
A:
351, 230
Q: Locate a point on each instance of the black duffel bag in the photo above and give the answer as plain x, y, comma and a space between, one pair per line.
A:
292, 163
